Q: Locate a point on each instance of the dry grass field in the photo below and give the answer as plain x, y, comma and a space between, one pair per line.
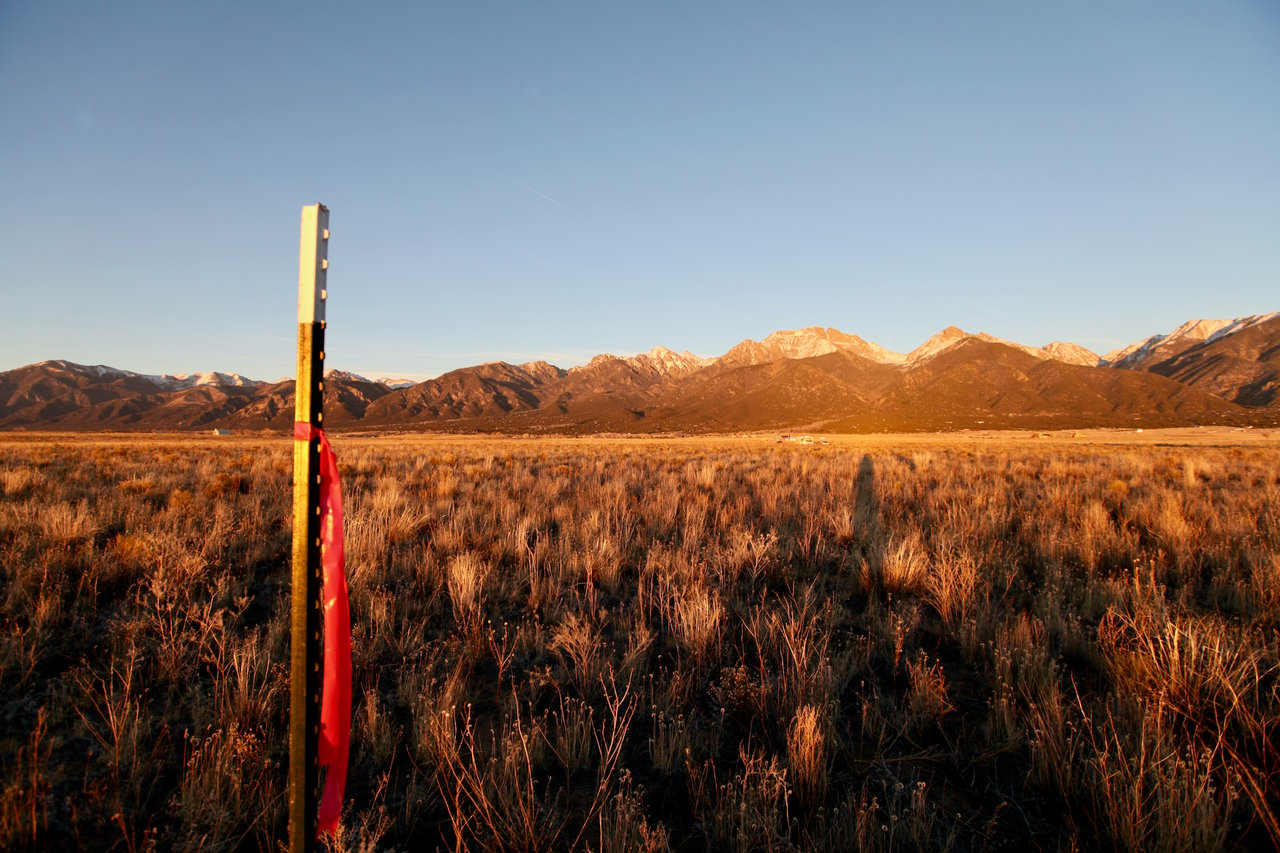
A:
884, 643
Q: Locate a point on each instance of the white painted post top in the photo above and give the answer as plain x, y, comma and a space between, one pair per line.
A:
313, 263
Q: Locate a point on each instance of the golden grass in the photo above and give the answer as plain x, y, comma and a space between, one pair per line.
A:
882, 643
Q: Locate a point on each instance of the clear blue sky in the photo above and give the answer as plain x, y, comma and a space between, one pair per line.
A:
528, 180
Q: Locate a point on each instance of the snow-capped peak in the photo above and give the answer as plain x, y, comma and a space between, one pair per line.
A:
190, 380
942, 341
1240, 324
952, 335
809, 342
345, 376
1070, 353
596, 361
348, 376
93, 369
395, 382
667, 362
1187, 335
659, 361
802, 343
171, 382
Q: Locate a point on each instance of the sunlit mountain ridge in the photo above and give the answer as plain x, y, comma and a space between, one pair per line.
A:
1205, 371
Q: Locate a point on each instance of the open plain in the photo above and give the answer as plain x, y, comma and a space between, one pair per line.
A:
1060, 641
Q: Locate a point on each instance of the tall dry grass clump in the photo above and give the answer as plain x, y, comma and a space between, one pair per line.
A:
698, 615
902, 569
807, 755
466, 578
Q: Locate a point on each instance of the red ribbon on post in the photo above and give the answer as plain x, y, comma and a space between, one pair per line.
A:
335, 696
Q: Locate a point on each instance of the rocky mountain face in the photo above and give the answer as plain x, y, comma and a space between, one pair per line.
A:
1158, 348
63, 395
1071, 354
1239, 362
805, 343
1205, 371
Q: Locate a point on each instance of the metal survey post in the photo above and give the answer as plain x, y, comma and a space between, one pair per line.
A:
305, 648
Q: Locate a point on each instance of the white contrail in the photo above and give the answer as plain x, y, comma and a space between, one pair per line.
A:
537, 192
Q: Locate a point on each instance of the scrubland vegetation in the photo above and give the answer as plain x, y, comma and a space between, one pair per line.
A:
648, 645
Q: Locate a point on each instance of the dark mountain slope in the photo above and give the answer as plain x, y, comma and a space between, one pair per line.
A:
487, 390
981, 384
1243, 367
778, 394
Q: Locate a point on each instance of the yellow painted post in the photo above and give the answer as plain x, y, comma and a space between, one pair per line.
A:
305, 649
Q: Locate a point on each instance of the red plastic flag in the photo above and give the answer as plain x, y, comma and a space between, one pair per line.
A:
335, 696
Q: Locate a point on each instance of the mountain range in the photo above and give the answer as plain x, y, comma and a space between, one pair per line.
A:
1205, 371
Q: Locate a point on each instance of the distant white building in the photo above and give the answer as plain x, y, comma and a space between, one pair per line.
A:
222, 432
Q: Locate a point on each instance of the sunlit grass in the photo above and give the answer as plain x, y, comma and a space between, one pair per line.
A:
718, 643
